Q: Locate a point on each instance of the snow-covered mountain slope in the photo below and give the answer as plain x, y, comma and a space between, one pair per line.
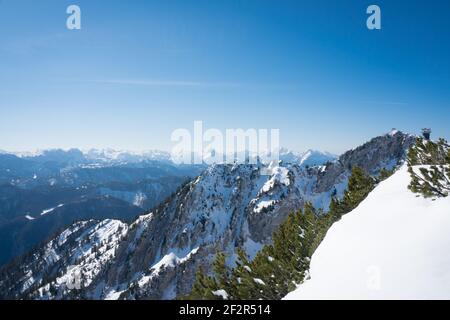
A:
394, 245
73, 258
103, 184
226, 207
316, 158
307, 158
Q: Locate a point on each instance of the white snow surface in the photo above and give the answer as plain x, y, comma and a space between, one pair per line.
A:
95, 248
47, 211
170, 260
221, 293
394, 245
279, 175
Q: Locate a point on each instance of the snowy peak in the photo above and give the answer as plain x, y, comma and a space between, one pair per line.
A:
289, 156
106, 156
308, 158
316, 158
68, 157
383, 151
393, 132
111, 155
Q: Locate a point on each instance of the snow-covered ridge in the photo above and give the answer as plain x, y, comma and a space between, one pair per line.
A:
394, 245
75, 257
170, 260
106, 154
50, 210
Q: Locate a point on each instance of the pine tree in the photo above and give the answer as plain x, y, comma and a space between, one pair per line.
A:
385, 173
337, 209
242, 281
413, 157
203, 288
279, 267
359, 186
447, 160
447, 157
434, 179
221, 271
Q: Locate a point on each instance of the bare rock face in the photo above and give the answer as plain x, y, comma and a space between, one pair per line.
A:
226, 207
381, 152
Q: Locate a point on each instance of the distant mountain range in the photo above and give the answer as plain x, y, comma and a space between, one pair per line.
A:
107, 156
43, 191
111, 156
48, 190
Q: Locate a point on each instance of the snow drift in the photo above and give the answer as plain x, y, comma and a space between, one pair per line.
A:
394, 245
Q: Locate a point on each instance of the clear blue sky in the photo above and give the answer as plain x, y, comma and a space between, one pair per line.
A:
139, 69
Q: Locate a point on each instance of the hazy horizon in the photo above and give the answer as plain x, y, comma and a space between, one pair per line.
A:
136, 72
137, 151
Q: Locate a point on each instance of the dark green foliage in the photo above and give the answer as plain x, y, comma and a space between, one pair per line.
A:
203, 287
428, 153
275, 270
221, 271
360, 185
385, 173
429, 167
279, 267
432, 181
447, 160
